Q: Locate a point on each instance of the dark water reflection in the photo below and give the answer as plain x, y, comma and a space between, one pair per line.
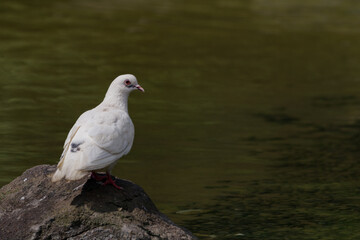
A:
312, 192
249, 125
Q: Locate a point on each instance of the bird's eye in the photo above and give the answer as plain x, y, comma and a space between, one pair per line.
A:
127, 82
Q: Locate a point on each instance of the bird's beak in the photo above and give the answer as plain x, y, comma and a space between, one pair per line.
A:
139, 88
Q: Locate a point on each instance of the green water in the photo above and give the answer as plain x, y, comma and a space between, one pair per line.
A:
250, 124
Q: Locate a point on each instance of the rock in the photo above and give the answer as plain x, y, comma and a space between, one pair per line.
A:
33, 207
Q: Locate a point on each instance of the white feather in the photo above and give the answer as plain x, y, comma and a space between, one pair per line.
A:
100, 136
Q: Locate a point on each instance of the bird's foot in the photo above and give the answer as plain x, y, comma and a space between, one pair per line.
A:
109, 180
97, 177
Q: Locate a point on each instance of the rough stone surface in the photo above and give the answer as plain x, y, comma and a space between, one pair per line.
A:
32, 207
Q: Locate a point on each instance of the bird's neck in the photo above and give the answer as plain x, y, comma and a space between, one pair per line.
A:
119, 100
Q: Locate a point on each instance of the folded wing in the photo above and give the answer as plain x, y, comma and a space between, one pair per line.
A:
95, 144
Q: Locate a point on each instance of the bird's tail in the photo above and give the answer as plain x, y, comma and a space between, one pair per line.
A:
58, 175
68, 168
68, 174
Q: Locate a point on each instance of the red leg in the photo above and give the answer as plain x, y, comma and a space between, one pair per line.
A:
96, 177
109, 180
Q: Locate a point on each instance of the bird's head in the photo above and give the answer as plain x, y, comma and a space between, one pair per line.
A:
127, 83
119, 90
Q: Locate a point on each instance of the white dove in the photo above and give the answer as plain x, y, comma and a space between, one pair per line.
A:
100, 136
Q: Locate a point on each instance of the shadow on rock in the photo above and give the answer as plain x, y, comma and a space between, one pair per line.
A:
101, 198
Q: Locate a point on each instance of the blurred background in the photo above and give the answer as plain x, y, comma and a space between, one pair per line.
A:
249, 127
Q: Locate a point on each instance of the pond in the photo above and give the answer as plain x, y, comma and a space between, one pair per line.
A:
250, 124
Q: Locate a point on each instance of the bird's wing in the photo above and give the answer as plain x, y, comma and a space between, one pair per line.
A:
101, 140
82, 119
